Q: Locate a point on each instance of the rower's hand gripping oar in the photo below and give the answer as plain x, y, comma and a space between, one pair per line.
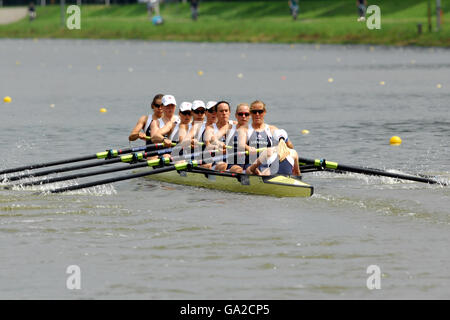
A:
330, 165
108, 154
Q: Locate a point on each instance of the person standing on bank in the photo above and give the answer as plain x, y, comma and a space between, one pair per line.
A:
194, 9
362, 5
293, 5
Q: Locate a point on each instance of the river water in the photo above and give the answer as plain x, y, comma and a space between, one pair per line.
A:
140, 239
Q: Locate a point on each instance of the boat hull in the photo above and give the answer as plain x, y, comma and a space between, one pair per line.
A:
277, 186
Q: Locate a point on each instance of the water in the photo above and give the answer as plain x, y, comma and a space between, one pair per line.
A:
140, 239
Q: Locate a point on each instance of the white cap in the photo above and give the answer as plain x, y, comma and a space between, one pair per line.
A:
210, 104
168, 99
198, 104
185, 106
278, 134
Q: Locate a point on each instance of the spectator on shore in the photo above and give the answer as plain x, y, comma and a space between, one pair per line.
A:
31, 11
362, 5
194, 9
294, 7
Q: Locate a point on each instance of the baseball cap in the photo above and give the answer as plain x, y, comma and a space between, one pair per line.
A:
185, 106
210, 104
280, 133
168, 99
198, 104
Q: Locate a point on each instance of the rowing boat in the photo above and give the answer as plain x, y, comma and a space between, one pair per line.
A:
277, 185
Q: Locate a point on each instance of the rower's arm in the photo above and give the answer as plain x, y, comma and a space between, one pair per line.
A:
154, 128
253, 169
296, 169
182, 133
136, 132
209, 136
166, 129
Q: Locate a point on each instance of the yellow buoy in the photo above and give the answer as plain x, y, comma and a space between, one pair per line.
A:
99, 67
330, 80
382, 83
305, 131
103, 110
7, 99
200, 72
395, 141
240, 75
439, 86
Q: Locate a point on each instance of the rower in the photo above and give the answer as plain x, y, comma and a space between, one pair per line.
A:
185, 124
279, 159
216, 133
181, 129
236, 138
167, 122
145, 124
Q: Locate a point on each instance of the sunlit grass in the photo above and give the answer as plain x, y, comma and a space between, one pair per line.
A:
321, 21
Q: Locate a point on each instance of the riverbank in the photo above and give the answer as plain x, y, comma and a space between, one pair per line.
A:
325, 21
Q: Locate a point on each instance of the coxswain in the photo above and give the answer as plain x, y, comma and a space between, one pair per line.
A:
279, 159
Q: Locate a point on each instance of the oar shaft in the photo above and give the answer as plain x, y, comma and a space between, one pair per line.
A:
180, 166
82, 175
85, 166
100, 155
369, 171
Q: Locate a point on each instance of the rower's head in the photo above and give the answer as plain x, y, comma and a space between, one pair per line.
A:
242, 114
223, 111
258, 111
185, 112
198, 108
211, 112
157, 105
169, 104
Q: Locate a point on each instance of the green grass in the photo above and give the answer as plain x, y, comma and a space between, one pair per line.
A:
320, 21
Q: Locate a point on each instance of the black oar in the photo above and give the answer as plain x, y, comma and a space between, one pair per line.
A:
179, 166
322, 163
137, 156
112, 153
126, 158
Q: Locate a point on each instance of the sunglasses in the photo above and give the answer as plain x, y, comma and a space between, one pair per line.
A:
257, 111
212, 110
199, 111
241, 114
157, 105
185, 113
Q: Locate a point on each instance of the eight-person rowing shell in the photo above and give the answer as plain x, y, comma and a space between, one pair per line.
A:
223, 136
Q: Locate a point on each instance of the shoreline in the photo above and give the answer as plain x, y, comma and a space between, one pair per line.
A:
131, 22
368, 45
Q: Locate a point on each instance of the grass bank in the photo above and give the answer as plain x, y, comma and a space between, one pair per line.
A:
320, 21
